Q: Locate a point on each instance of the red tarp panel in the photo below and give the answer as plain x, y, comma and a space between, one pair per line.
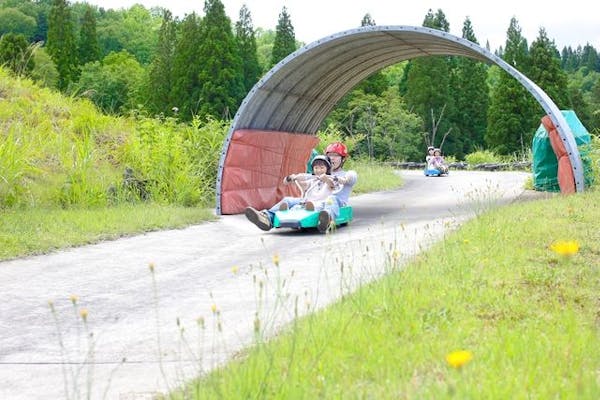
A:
255, 165
566, 179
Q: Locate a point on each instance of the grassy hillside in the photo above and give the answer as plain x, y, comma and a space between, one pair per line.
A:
62, 152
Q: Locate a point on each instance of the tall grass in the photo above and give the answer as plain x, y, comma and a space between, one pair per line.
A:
62, 152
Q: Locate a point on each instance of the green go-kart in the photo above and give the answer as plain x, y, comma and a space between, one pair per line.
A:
298, 217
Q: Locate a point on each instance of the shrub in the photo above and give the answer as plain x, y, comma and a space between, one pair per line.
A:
482, 157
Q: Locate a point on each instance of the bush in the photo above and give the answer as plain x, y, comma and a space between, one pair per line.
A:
482, 157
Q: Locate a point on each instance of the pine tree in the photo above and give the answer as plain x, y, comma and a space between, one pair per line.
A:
285, 40
89, 50
221, 76
185, 91
471, 97
246, 44
160, 74
61, 43
367, 20
513, 114
428, 90
545, 69
589, 58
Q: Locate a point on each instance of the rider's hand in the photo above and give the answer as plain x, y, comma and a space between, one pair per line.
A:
289, 178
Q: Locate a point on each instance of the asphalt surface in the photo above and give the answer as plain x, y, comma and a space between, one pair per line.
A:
143, 334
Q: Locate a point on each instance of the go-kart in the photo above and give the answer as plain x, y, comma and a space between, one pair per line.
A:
435, 172
299, 217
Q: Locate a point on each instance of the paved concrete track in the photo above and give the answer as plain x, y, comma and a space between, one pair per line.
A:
225, 266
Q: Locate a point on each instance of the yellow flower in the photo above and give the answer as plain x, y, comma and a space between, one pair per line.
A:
565, 247
276, 259
235, 269
459, 358
214, 308
83, 313
74, 298
151, 267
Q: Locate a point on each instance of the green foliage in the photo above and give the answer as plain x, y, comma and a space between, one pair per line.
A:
185, 92
427, 91
264, 47
482, 157
44, 70
220, 72
285, 39
14, 21
594, 160
134, 29
61, 43
513, 114
178, 162
247, 48
331, 133
88, 49
471, 98
113, 85
16, 53
160, 71
545, 70
39, 230
58, 152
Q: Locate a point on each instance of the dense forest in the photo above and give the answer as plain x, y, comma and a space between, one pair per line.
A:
140, 61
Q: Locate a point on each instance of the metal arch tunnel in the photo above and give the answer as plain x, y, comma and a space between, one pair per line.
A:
274, 129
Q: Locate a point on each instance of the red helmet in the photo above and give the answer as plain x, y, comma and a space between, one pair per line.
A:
337, 147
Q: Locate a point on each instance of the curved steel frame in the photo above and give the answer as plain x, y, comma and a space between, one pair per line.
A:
297, 94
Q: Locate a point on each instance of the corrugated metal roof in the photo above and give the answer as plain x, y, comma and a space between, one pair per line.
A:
299, 92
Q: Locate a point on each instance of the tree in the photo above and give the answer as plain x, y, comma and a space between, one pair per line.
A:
113, 84
15, 21
285, 40
471, 97
398, 134
61, 43
15, 53
160, 71
428, 87
89, 50
589, 58
545, 69
513, 114
367, 20
264, 44
134, 29
220, 77
247, 48
185, 92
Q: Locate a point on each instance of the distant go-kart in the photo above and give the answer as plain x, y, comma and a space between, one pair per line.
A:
298, 217
436, 171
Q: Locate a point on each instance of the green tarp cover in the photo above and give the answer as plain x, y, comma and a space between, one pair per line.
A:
545, 164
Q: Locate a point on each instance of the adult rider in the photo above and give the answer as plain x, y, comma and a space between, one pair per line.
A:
337, 153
